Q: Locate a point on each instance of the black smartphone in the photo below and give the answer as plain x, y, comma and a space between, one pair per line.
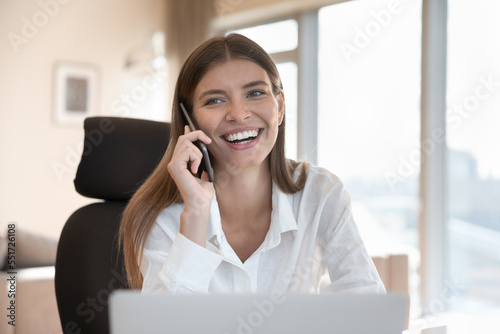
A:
205, 162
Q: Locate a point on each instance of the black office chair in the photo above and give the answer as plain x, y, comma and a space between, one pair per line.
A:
118, 155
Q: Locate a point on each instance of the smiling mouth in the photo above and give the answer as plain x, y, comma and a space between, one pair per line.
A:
242, 137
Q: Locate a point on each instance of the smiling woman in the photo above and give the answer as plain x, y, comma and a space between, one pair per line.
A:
241, 116
266, 223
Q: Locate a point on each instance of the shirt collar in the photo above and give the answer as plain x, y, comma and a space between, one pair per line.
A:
282, 215
282, 219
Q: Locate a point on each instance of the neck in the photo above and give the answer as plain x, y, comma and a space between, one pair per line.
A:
245, 192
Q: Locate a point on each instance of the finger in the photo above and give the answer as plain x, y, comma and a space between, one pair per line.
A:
195, 163
194, 136
187, 158
185, 150
192, 156
204, 138
189, 146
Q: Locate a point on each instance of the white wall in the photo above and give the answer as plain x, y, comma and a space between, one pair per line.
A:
101, 33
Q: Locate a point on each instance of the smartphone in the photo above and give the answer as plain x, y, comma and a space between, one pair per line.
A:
205, 162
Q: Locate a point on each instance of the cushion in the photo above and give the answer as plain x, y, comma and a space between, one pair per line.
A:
31, 250
3, 251
118, 155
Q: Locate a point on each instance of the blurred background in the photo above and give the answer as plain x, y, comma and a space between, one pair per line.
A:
357, 77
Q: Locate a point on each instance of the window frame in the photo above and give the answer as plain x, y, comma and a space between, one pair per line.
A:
433, 166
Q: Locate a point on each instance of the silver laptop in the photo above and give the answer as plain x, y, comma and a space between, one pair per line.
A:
132, 312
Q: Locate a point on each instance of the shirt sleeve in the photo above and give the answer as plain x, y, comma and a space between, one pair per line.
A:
348, 263
178, 265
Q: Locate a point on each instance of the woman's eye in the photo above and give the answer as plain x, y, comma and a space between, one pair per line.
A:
255, 93
213, 101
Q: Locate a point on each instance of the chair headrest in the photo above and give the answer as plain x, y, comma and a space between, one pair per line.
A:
118, 155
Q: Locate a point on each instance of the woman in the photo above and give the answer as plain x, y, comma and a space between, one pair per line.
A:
266, 223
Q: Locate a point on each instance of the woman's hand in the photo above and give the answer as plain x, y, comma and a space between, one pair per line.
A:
196, 193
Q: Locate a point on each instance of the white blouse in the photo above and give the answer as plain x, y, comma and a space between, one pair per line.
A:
312, 245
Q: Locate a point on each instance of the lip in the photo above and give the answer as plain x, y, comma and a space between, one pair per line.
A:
240, 147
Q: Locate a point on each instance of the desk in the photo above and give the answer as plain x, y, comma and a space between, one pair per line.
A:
433, 330
458, 323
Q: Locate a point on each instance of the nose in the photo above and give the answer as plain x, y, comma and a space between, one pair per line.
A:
238, 112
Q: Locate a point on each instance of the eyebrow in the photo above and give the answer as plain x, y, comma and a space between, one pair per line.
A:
221, 91
255, 83
211, 92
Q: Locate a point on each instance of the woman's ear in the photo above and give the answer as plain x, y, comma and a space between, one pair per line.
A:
281, 106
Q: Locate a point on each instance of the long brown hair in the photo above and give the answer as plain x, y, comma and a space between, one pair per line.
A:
159, 190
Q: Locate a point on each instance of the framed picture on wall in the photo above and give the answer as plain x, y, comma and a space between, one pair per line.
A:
75, 92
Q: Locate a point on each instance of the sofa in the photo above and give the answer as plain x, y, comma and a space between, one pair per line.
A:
28, 296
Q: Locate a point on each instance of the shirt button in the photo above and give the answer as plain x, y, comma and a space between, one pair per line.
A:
216, 242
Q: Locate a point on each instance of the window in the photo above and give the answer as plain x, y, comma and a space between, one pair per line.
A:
369, 115
273, 37
368, 133
473, 120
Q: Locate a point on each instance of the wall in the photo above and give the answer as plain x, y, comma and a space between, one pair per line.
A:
32, 193
101, 33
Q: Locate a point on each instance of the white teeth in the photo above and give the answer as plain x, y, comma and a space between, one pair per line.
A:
242, 135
